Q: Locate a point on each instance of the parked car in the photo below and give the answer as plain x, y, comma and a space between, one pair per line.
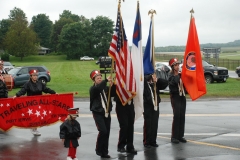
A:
162, 71
86, 58
8, 66
21, 74
213, 73
163, 66
104, 59
238, 71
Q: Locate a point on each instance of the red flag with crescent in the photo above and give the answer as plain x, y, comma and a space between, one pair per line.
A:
192, 69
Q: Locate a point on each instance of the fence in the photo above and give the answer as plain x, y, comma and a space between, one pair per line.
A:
227, 63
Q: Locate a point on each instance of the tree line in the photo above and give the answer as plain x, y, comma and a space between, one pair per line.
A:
235, 43
71, 34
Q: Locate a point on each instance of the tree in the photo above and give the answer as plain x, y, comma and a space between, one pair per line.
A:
56, 31
4, 26
102, 30
42, 25
72, 40
20, 40
68, 15
17, 13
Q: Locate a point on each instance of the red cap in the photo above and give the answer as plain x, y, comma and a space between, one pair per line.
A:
33, 71
173, 61
95, 73
73, 112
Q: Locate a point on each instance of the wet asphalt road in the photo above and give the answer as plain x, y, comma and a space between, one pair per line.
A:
212, 130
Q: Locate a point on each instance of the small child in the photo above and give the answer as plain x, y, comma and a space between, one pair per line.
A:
70, 132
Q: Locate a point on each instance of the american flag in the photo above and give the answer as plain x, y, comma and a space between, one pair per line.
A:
119, 51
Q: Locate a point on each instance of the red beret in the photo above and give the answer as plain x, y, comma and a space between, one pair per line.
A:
33, 71
73, 112
95, 73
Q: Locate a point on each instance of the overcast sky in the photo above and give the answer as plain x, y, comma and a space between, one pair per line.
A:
217, 21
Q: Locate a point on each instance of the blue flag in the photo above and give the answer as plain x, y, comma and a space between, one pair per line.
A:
148, 55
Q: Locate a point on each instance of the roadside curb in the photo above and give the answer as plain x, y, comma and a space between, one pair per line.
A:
86, 99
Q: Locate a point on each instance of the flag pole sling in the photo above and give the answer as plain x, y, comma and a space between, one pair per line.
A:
153, 53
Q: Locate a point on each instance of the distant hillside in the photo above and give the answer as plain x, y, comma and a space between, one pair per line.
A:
235, 43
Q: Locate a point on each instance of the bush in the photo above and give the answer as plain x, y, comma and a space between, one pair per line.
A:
5, 57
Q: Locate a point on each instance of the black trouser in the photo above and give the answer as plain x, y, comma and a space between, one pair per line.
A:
150, 126
179, 110
103, 125
126, 116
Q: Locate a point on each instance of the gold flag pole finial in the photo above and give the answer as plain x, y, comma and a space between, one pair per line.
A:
191, 11
152, 12
119, 2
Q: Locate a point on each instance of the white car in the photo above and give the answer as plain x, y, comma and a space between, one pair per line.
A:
86, 58
162, 71
8, 66
163, 66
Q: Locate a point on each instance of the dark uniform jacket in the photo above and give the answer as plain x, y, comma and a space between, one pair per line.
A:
3, 90
70, 130
173, 83
147, 95
33, 89
95, 98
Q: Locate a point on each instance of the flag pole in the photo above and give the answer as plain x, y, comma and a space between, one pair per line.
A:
109, 91
141, 54
111, 72
153, 54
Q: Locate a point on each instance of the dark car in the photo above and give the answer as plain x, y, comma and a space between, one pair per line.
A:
238, 71
21, 74
213, 73
104, 59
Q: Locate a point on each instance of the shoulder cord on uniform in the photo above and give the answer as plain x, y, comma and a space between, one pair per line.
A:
155, 108
181, 89
103, 103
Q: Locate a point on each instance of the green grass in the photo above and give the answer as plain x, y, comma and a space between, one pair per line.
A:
73, 76
231, 88
66, 76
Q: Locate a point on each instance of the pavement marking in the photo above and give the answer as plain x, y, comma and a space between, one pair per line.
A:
201, 143
205, 134
187, 115
214, 145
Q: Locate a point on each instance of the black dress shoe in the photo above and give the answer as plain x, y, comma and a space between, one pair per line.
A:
147, 146
173, 140
98, 153
154, 145
106, 156
133, 151
121, 150
183, 140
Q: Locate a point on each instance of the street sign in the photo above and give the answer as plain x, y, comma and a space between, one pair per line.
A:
104, 65
106, 71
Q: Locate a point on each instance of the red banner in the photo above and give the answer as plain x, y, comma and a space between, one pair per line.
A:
34, 111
